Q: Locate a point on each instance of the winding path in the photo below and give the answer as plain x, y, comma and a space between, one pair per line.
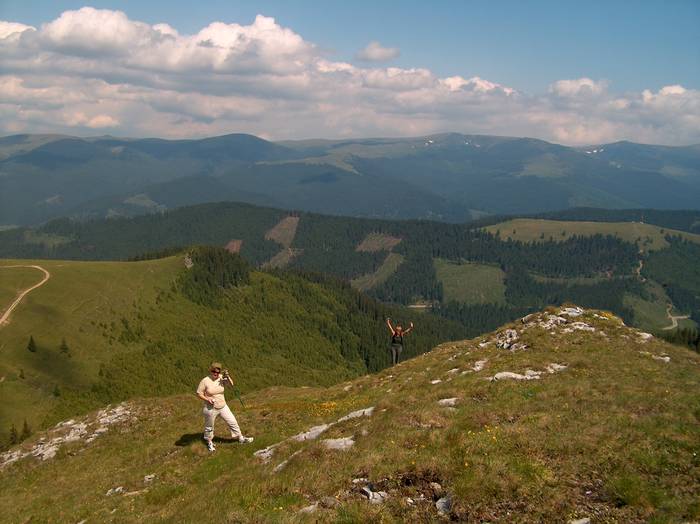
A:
673, 318
6, 315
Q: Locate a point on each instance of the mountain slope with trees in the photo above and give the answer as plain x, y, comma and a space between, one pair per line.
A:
451, 177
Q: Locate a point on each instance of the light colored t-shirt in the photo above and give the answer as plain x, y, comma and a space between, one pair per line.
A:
213, 388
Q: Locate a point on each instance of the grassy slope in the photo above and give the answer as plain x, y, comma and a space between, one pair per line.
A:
130, 333
612, 437
530, 230
14, 280
77, 302
471, 283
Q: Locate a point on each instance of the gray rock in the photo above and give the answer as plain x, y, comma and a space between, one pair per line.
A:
374, 497
338, 443
149, 478
309, 509
115, 491
585, 520
367, 412
312, 433
445, 402
444, 505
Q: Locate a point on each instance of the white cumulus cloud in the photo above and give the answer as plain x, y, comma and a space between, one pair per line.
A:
96, 69
376, 52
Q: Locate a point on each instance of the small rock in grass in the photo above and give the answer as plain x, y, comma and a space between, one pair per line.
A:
581, 521
149, 478
309, 509
374, 497
444, 505
662, 358
338, 443
445, 402
115, 491
436, 381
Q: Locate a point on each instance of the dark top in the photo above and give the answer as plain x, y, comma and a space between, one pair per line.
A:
397, 339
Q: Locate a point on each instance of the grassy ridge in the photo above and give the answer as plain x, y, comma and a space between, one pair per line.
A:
612, 437
647, 236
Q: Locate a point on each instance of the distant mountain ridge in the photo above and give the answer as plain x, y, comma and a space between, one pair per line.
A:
450, 177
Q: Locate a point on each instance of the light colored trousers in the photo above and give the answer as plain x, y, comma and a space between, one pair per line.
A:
210, 413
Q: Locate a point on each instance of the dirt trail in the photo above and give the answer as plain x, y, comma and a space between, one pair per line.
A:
673, 318
6, 315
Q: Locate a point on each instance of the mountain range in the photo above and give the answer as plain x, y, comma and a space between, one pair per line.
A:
449, 177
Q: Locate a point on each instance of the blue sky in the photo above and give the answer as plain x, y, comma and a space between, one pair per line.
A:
569, 72
526, 44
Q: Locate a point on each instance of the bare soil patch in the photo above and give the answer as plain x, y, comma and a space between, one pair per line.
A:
377, 242
284, 232
234, 246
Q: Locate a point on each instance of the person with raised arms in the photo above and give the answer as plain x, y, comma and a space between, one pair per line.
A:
397, 334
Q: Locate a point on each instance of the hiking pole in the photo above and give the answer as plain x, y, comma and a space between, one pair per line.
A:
236, 391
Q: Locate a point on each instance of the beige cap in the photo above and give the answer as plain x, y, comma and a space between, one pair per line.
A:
216, 366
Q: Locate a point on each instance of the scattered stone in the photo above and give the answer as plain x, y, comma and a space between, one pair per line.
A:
554, 367
662, 358
644, 337
581, 326
505, 375
580, 521
444, 505
367, 412
409, 501
115, 491
453, 371
436, 381
479, 365
505, 339
149, 478
360, 480
484, 344
86, 430
572, 311
552, 321
338, 443
347, 388
265, 454
312, 433
447, 402
309, 509
374, 497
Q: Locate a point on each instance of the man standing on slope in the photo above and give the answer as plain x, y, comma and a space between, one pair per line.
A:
211, 391
397, 335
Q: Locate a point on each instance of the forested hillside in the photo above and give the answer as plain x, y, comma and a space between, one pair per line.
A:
398, 261
449, 177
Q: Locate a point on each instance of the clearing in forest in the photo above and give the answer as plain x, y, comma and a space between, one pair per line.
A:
374, 242
647, 236
283, 258
283, 233
234, 246
389, 266
471, 283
